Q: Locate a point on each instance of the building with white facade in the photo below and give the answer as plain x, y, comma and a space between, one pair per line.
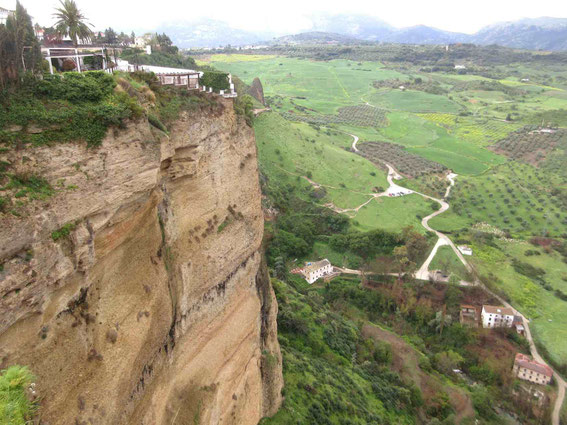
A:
497, 317
529, 370
142, 41
465, 250
316, 270
4, 13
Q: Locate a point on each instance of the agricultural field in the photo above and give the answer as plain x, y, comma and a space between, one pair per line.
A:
359, 116
404, 162
430, 184
531, 145
508, 179
412, 101
475, 130
514, 197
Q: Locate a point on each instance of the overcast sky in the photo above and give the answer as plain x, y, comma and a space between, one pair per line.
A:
291, 16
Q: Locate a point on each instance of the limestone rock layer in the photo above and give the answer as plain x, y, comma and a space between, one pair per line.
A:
156, 308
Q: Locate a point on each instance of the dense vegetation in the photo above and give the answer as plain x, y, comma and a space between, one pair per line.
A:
57, 103
19, 48
16, 407
158, 58
343, 364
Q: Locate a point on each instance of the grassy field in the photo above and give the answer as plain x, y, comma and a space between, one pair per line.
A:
454, 129
547, 313
301, 150
307, 90
447, 261
347, 259
412, 101
323, 86
394, 213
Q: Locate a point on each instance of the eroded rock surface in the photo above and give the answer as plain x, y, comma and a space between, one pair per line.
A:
156, 309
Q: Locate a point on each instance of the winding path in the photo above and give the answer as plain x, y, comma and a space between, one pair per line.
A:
423, 273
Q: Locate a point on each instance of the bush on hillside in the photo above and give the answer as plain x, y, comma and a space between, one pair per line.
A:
153, 120
76, 107
15, 406
90, 86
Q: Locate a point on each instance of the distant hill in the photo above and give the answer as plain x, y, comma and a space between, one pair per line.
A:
316, 37
359, 26
422, 34
209, 33
534, 33
539, 33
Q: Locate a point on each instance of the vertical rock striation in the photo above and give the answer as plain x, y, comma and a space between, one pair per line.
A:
157, 307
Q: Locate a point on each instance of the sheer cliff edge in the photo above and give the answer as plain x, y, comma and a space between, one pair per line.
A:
137, 293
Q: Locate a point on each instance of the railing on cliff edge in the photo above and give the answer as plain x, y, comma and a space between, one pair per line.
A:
179, 77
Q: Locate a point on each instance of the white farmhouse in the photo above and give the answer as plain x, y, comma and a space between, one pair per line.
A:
497, 317
313, 271
465, 250
460, 67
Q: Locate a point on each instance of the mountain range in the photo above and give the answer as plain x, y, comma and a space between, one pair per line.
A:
543, 33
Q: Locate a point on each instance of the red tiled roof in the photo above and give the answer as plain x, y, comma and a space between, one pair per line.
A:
524, 361
505, 311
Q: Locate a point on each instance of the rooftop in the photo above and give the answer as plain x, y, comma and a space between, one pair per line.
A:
505, 311
525, 361
316, 265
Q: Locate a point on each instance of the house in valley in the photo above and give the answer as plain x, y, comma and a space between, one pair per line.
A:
316, 270
465, 250
469, 315
518, 324
497, 317
529, 370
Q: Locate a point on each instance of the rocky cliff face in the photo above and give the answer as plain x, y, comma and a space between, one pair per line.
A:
156, 308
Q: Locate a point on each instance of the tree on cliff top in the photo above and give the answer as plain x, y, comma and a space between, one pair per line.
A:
72, 22
19, 48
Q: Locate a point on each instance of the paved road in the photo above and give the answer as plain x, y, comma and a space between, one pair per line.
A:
423, 273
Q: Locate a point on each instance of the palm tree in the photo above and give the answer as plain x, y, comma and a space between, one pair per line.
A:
71, 22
